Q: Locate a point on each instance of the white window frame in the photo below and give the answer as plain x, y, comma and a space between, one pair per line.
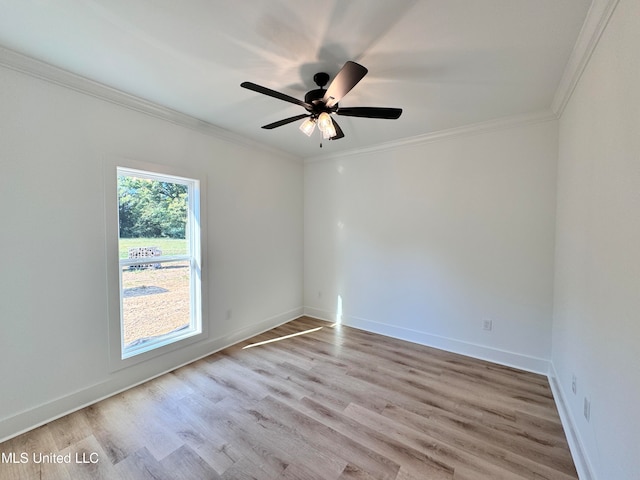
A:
119, 355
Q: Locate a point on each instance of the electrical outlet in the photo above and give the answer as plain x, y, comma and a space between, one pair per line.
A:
487, 325
319, 293
587, 408
229, 314
574, 384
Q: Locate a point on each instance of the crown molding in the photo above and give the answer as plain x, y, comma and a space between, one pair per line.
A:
472, 129
594, 25
44, 71
595, 22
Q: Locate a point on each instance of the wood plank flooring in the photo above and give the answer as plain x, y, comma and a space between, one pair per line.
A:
333, 403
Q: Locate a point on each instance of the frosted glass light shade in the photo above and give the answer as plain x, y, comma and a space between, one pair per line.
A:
308, 126
329, 132
324, 121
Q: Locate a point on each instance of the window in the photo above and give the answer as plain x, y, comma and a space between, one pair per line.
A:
158, 263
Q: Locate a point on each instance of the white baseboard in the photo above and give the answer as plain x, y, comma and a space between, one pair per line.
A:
482, 352
319, 314
31, 418
578, 452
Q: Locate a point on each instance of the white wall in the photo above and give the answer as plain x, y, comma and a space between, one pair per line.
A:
424, 242
596, 333
53, 291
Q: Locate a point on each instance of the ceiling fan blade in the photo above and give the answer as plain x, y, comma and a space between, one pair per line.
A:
274, 94
347, 78
370, 112
339, 133
285, 121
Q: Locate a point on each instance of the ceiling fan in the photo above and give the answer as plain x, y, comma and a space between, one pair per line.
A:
321, 104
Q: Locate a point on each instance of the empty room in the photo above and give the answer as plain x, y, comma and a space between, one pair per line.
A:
301, 240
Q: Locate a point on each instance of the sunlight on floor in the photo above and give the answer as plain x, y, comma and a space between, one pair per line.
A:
282, 338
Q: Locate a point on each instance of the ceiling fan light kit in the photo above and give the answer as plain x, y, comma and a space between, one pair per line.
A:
321, 104
308, 126
324, 120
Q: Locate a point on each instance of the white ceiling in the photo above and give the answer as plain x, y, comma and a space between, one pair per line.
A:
447, 63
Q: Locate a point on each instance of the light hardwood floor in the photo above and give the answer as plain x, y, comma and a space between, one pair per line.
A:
331, 403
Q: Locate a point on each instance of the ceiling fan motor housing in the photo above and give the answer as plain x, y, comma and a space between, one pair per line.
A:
314, 97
